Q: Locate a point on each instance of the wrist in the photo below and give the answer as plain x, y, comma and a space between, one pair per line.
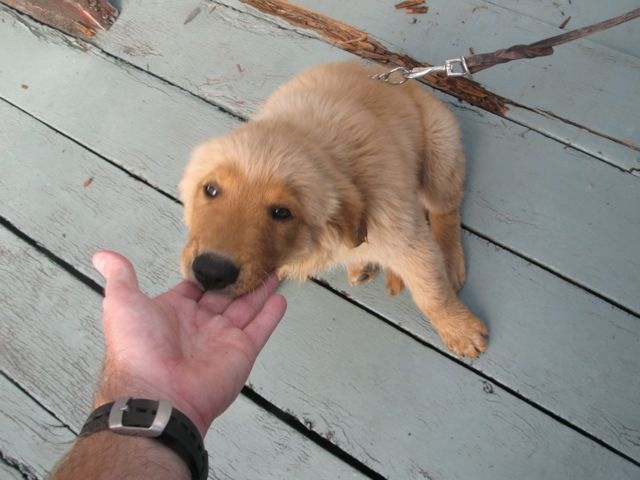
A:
114, 387
152, 419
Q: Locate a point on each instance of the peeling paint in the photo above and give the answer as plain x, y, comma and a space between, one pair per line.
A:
24, 469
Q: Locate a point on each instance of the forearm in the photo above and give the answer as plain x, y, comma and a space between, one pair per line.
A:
107, 455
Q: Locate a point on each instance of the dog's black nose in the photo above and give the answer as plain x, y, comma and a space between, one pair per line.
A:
214, 272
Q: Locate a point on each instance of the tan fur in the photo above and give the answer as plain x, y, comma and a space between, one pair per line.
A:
359, 163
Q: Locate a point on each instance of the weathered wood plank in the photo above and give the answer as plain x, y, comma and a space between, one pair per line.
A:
44, 327
396, 400
32, 439
517, 179
166, 172
595, 113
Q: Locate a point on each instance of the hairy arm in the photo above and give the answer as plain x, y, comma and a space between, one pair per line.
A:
106, 455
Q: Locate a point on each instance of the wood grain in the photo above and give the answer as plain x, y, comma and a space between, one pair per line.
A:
389, 400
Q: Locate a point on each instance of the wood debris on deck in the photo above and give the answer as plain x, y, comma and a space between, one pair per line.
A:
94, 137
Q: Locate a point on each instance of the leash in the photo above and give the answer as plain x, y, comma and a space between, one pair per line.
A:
465, 66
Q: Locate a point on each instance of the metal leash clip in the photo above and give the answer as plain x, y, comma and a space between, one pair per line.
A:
455, 67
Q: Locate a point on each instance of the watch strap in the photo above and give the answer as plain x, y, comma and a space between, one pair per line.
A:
154, 419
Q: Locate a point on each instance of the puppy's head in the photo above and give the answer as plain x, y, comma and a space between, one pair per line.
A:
257, 200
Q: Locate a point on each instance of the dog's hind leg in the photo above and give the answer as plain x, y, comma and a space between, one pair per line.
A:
421, 266
442, 182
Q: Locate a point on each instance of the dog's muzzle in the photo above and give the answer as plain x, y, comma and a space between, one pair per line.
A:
214, 272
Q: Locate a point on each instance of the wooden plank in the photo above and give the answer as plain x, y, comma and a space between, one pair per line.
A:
491, 141
393, 403
245, 442
595, 114
510, 197
32, 439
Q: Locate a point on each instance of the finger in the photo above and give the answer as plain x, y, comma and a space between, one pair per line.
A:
261, 328
118, 273
242, 310
185, 289
215, 302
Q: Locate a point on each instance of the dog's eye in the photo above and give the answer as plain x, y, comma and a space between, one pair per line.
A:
280, 213
211, 190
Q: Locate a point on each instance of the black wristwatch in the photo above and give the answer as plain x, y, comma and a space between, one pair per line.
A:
153, 419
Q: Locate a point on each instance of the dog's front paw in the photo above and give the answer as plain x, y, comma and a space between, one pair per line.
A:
464, 334
361, 274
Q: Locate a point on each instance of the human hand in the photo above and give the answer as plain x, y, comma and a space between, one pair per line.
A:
193, 348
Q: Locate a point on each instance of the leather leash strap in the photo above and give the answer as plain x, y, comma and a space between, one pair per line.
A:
465, 66
544, 47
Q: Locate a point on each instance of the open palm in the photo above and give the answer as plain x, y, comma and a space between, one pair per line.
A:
193, 348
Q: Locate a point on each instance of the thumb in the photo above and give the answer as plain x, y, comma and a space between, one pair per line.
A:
117, 271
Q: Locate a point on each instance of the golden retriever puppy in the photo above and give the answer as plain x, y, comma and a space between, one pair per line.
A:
336, 168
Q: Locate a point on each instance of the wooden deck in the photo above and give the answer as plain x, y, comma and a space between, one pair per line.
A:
93, 139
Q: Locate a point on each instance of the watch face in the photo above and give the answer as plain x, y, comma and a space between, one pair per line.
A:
141, 419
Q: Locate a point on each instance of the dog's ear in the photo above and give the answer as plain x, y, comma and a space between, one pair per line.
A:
350, 221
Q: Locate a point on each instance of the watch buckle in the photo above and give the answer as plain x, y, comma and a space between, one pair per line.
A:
160, 421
